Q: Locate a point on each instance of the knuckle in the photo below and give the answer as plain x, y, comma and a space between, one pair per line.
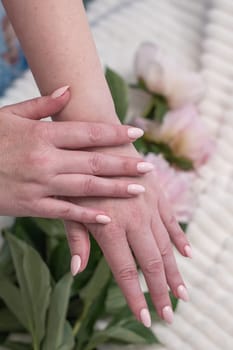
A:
109, 236
89, 186
84, 216
128, 273
166, 249
95, 133
40, 161
172, 221
117, 189
154, 266
95, 163
65, 212
74, 238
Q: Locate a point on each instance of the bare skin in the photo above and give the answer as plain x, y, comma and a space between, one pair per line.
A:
56, 34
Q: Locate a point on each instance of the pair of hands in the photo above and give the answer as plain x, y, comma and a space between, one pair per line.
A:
48, 170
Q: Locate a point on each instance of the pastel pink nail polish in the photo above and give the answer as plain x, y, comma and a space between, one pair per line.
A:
75, 264
135, 133
188, 251
183, 293
136, 189
145, 318
168, 315
59, 92
144, 167
103, 219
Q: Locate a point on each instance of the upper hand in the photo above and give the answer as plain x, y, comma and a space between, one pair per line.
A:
40, 162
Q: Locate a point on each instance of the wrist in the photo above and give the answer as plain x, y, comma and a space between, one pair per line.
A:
95, 108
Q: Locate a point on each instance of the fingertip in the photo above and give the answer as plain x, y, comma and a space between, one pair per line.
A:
75, 264
60, 92
135, 133
188, 252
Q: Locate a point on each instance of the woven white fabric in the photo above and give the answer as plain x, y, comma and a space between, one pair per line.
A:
200, 35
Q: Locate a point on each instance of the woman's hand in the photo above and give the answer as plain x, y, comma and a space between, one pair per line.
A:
40, 162
144, 228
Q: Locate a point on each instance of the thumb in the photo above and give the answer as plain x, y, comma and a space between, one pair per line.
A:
79, 243
41, 107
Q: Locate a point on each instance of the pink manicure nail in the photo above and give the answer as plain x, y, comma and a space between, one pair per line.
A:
188, 251
135, 133
168, 315
59, 92
103, 219
145, 318
145, 167
183, 293
136, 189
75, 264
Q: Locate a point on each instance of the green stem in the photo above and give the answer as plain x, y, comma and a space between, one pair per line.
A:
35, 345
149, 108
79, 322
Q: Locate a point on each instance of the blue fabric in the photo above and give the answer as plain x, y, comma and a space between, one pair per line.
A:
12, 60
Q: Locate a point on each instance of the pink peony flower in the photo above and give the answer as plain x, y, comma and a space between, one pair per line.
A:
184, 132
163, 75
177, 186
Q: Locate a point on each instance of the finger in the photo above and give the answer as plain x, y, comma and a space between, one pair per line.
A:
151, 263
175, 232
119, 257
60, 209
84, 135
72, 185
174, 279
79, 243
99, 164
41, 107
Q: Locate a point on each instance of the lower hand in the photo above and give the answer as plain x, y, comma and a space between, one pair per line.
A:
147, 227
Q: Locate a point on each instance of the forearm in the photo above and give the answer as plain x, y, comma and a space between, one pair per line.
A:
60, 50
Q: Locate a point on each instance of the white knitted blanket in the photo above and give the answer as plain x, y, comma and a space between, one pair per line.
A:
200, 34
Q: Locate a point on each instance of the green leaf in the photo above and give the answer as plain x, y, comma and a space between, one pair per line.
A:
57, 313
60, 260
85, 276
161, 109
52, 228
6, 263
184, 226
142, 331
9, 322
115, 300
141, 146
34, 281
119, 91
174, 301
93, 295
101, 276
68, 338
115, 333
13, 299
16, 346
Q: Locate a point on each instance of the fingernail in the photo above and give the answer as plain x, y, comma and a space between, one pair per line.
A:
59, 92
183, 293
135, 133
75, 264
103, 219
188, 251
168, 315
136, 189
145, 318
145, 167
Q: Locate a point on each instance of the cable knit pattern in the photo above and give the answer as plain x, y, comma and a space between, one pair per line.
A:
200, 35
